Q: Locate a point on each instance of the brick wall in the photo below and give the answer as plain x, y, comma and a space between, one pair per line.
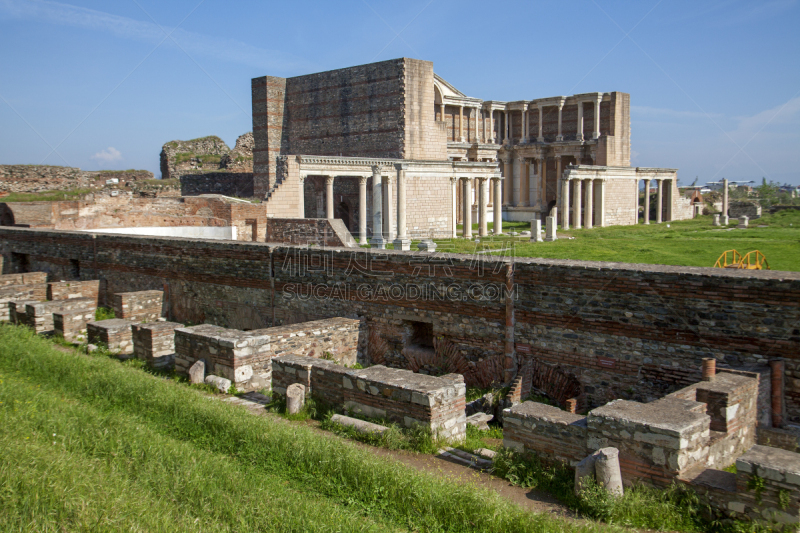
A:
142, 306
71, 325
39, 315
625, 331
64, 290
379, 392
317, 231
154, 343
547, 431
244, 357
10, 293
114, 333
23, 279
236, 184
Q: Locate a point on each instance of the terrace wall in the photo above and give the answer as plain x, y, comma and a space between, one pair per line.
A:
624, 331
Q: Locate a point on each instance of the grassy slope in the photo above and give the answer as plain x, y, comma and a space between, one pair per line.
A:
688, 243
90, 444
45, 196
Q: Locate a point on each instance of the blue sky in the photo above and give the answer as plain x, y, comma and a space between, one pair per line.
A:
715, 86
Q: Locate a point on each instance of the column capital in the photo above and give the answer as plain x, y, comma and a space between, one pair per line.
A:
467, 178
401, 166
453, 179
390, 179
482, 178
561, 100
302, 178
329, 180
362, 180
376, 170
496, 178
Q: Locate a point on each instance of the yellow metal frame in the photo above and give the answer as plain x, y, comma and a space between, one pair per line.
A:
754, 260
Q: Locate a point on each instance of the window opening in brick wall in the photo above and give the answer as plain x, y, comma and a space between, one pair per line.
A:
21, 263
74, 269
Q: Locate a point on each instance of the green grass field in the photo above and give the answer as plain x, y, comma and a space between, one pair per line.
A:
686, 243
90, 444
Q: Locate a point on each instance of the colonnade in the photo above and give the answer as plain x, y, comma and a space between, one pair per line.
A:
583, 201
662, 200
483, 206
525, 108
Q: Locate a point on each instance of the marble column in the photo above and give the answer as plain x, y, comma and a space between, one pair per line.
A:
388, 226
508, 182
659, 198
483, 192
542, 200
588, 221
510, 127
596, 134
505, 126
669, 201
601, 204
724, 201
498, 208
646, 202
454, 194
461, 123
560, 137
524, 125
301, 201
579, 137
402, 242
491, 126
467, 228
515, 200
329, 196
377, 240
533, 183
362, 209
540, 138
576, 213
564, 203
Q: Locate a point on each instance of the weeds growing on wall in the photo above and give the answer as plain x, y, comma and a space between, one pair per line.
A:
104, 313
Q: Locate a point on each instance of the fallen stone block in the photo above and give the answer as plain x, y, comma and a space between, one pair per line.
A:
480, 420
465, 458
486, 453
606, 469
360, 426
197, 373
222, 384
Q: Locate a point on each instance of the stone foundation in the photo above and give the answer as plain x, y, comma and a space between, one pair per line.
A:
402, 396
154, 343
64, 290
11, 293
72, 324
23, 279
114, 333
39, 315
244, 356
141, 306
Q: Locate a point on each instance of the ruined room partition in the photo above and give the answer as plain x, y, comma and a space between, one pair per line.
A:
244, 357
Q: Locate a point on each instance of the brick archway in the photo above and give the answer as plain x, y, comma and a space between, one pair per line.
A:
550, 380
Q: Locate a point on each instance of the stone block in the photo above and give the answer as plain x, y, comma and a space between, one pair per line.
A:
114, 333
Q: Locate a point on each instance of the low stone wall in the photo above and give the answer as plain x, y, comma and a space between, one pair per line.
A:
39, 315
749, 209
12, 293
141, 306
64, 290
244, 357
114, 333
546, 430
379, 392
765, 488
16, 310
72, 324
23, 279
318, 231
154, 343
779, 438
658, 441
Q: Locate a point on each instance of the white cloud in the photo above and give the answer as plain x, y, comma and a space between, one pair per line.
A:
109, 155
147, 31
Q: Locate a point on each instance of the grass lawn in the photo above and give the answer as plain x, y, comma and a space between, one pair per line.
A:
90, 444
687, 243
45, 196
